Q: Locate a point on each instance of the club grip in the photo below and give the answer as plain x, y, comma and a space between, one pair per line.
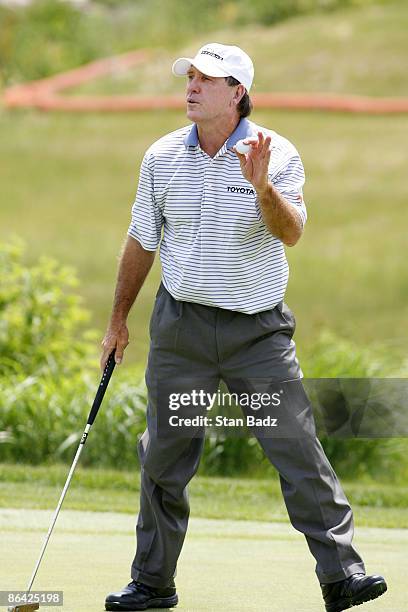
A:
103, 385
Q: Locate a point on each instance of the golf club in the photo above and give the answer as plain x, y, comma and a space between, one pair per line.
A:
107, 373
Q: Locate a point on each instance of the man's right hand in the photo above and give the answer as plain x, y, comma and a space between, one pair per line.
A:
116, 337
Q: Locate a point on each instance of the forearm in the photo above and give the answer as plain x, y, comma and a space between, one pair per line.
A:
280, 217
134, 266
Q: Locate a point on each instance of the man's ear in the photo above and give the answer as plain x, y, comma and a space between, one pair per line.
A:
239, 94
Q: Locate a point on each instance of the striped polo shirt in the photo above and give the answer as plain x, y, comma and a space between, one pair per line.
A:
215, 248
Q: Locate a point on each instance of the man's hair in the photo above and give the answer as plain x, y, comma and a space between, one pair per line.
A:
244, 106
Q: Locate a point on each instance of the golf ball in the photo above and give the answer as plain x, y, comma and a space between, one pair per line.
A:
242, 148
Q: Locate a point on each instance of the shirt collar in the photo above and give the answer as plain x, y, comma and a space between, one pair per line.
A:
242, 131
191, 138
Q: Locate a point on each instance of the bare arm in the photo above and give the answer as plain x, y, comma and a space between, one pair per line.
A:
134, 266
280, 217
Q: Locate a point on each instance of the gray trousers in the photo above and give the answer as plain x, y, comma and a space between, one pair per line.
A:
204, 344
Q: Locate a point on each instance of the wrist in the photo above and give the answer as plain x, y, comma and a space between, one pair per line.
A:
117, 321
262, 190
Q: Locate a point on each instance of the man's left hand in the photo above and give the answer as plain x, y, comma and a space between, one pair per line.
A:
254, 165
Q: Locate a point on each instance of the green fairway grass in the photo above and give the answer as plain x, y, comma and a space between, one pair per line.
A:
224, 565
68, 182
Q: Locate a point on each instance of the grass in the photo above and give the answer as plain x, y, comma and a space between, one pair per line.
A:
232, 521
224, 565
68, 183
375, 504
354, 50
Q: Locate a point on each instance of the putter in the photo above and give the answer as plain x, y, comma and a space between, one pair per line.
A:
107, 373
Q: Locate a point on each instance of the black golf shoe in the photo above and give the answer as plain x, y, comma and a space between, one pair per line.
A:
138, 596
352, 591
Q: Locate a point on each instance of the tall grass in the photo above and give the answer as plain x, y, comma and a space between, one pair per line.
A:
48, 36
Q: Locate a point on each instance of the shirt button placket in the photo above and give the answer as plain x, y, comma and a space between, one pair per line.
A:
207, 183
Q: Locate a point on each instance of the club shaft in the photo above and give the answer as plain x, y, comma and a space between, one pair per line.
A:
107, 373
54, 518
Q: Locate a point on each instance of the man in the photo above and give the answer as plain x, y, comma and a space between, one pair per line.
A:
219, 314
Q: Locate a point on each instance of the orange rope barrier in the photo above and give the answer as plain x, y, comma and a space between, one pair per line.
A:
45, 94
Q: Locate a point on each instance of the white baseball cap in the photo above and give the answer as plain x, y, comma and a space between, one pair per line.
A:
219, 60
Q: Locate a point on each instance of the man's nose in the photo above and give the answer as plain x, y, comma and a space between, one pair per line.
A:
193, 85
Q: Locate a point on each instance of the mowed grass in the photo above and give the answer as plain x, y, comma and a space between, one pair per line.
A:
360, 50
375, 504
224, 565
68, 183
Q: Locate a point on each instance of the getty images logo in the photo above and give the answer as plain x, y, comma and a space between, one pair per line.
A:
244, 190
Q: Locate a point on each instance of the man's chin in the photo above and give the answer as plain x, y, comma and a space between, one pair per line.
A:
193, 113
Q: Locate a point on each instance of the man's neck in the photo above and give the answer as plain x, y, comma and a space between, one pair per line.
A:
212, 135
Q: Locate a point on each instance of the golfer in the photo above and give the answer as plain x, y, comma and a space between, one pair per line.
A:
222, 220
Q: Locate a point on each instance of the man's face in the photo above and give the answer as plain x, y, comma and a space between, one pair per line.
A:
209, 98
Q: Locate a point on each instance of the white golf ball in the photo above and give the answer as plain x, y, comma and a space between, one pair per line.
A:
242, 148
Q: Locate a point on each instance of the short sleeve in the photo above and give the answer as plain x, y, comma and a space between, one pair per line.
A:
289, 182
147, 218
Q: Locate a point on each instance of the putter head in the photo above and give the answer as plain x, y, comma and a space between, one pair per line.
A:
24, 607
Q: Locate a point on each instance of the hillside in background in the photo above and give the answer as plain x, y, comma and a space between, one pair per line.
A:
48, 36
355, 50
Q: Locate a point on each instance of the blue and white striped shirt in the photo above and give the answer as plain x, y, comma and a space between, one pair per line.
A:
215, 248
